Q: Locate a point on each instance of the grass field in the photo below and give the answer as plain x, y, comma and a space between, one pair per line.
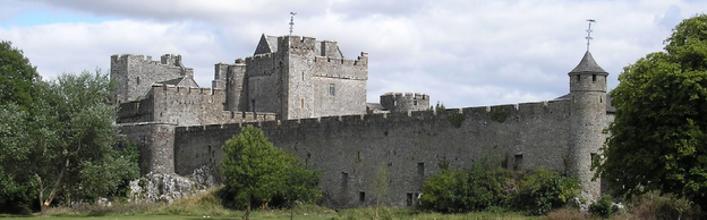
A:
208, 206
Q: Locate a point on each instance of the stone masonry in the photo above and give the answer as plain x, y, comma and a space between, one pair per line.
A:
311, 101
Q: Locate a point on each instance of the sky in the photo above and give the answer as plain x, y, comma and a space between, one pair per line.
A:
460, 52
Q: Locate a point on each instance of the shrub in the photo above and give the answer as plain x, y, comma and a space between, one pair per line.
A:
604, 207
543, 190
480, 188
655, 206
443, 192
257, 174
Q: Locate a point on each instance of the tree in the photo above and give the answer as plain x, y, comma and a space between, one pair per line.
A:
66, 147
257, 173
658, 140
17, 76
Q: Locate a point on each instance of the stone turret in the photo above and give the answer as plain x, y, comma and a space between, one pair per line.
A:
587, 120
404, 102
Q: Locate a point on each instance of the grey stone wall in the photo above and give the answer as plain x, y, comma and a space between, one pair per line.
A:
155, 142
404, 102
349, 150
184, 106
134, 74
264, 74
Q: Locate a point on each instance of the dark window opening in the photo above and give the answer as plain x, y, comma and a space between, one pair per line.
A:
332, 89
601, 99
301, 103
517, 161
408, 200
579, 78
362, 196
252, 105
414, 102
137, 80
358, 156
390, 164
385, 133
344, 180
421, 169
594, 78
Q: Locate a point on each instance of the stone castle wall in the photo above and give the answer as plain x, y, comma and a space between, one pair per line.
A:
404, 102
184, 106
135, 74
349, 150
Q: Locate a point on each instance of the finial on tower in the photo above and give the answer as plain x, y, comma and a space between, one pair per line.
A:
589, 31
292, 21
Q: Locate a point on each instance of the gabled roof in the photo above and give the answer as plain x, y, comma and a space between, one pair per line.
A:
588, 65
267, 44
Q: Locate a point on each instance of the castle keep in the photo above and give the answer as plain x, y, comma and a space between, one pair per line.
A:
311, 101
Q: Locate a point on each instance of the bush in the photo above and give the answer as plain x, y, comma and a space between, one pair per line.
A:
543, 190
257, 174
604, 207
655, 206
480, 188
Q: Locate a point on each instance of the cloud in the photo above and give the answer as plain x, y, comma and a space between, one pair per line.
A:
462, 53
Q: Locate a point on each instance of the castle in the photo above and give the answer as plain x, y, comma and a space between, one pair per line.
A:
311, 101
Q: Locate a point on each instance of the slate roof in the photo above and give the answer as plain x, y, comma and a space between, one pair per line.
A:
588, 65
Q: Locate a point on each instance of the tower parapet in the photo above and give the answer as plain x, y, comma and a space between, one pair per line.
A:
587, 121
404, 102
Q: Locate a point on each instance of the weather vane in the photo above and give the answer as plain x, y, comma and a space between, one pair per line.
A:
589, 31
292, 22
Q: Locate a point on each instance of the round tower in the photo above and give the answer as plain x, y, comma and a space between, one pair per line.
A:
404, 102
587, 120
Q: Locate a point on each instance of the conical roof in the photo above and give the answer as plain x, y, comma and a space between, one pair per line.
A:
588, 65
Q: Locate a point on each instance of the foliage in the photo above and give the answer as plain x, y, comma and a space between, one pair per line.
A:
604, 207
652, 205
659, 137
543, 190
455, 118
17, 77
480, 188
64, 149
259, 175
500, 114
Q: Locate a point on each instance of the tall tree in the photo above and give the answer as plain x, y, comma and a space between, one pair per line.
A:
659, 137
17, 76
257, 173
67, 145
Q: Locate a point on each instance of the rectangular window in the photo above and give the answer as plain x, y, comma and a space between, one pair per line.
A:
408, 200
421, 169
301, 103
362, 196
594, 77
517, 161
344, 181
332, 89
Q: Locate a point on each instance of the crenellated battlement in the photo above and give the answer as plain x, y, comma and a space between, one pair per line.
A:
479, 114
166, 88
360, 61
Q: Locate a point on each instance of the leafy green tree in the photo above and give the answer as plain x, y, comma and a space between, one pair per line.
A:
66, 148
543, 190
658, 139
257, 173
17, 76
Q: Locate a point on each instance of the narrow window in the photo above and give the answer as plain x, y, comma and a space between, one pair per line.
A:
358, 156
578, 78
344, 179
137, 80
594, 77
252, 105
517, 161
301, 103
408, 200
302, 75
332, 89
362, 196
421, 169
414, 102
